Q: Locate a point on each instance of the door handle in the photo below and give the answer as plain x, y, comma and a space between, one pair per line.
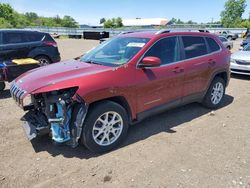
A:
211, 62
178, 70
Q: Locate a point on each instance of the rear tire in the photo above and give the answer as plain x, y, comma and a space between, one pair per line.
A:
43, 60
2, 86
105, 127
215, 93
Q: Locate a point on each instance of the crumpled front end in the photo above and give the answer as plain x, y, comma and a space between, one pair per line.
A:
59, 113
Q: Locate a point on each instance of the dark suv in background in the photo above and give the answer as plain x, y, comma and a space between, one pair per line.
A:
16, 44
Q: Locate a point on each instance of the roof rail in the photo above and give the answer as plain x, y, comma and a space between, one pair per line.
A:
126, 32
162, 31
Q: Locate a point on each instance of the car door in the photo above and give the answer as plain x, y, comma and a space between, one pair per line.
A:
197, 65
160, 85
14, 45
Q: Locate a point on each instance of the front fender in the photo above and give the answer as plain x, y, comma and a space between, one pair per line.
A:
109, 93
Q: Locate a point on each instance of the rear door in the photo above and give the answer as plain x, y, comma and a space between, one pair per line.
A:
14, 45
161, 85
198, 65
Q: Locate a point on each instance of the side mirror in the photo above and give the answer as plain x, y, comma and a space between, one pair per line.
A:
150, 61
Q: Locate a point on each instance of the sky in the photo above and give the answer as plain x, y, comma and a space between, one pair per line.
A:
90, 11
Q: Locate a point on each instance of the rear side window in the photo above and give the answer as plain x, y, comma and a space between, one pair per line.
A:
166, 49
12, 38
212, 45
194, 46
33, 37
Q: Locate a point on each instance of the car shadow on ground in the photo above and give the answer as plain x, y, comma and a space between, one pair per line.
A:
241, 77
5, 94
164, 122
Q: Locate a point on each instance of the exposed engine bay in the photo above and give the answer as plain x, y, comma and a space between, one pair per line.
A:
55, 113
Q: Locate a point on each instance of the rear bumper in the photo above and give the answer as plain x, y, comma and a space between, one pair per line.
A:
55, 59
240, 69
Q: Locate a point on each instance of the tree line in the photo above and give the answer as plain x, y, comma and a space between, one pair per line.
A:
9, 18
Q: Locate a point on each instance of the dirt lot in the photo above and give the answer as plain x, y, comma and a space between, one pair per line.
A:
186, 147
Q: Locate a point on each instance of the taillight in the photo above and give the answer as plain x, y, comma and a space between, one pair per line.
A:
49, 43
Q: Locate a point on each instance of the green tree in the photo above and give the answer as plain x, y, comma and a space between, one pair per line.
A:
4, 23
179, 21
118, 22
68, 21
173, 21
109, 24
113, 23
191, 22
232, 15
31, 16
6, 14
10, 18
102, 20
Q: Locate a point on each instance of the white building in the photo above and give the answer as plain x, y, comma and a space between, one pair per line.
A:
145, 22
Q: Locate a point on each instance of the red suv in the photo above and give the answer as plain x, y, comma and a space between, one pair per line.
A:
93, 100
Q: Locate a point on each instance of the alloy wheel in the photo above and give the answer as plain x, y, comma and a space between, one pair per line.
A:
107, 128
217, 93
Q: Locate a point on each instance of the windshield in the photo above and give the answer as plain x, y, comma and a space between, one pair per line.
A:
115, 52
247, 48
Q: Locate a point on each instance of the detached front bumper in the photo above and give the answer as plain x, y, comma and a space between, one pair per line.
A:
35, 124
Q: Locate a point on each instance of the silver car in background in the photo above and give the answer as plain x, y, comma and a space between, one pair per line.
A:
240, 61
227, 43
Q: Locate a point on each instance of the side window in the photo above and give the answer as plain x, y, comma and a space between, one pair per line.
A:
223, 39
12, 38
33, 37
194, 46
213, 46
166, 49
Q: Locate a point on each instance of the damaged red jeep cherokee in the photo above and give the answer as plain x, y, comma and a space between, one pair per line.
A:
93, 100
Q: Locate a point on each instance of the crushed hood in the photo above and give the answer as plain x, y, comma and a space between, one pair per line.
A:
65, 72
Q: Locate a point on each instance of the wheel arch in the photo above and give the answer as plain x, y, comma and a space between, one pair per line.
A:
222, 74
119, 100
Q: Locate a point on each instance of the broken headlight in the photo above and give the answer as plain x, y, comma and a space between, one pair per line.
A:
27, 100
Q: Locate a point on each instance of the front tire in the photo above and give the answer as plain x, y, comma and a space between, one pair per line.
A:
215, 93
105, 127
2, 86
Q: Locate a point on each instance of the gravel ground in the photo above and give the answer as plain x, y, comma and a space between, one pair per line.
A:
186, 147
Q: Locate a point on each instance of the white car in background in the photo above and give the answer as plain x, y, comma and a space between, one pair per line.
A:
240, 61
227, 43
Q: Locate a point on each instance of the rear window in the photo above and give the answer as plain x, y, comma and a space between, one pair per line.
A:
194, 46
48, 38
213, 46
